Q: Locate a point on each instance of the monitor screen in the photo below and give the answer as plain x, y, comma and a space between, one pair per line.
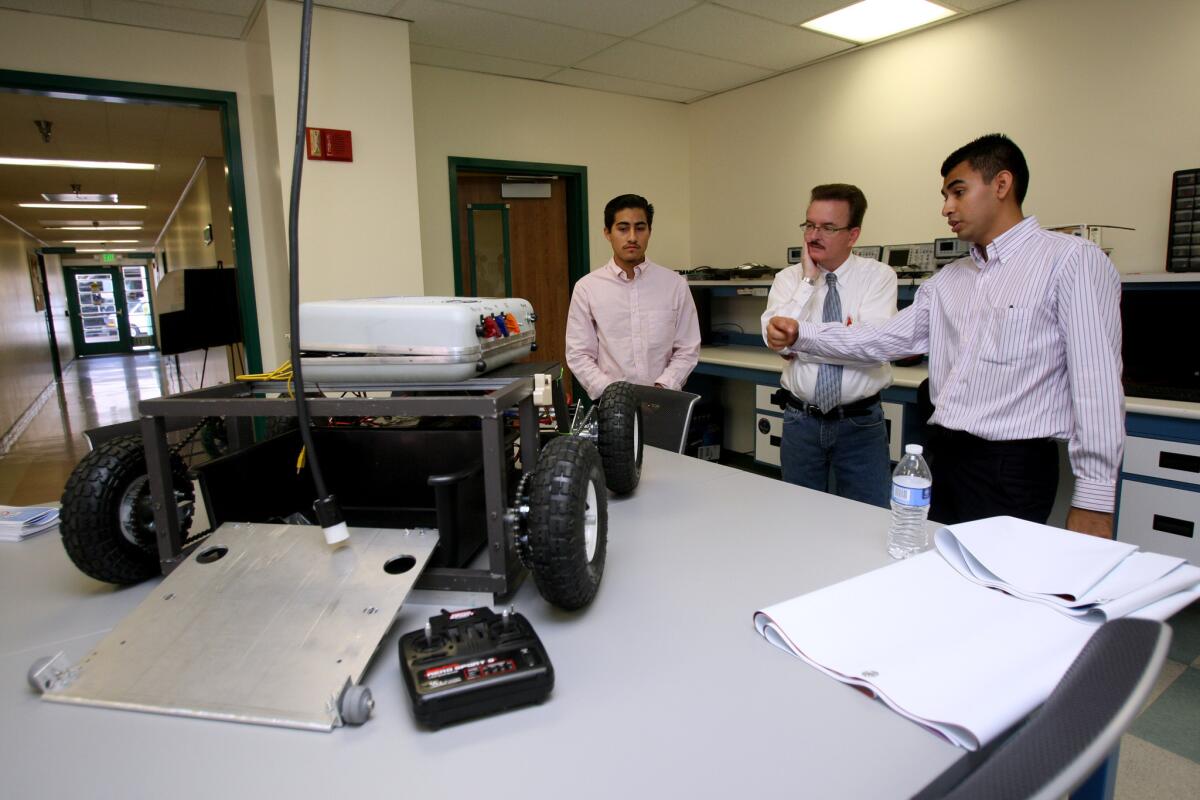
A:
898, 258
1159, 323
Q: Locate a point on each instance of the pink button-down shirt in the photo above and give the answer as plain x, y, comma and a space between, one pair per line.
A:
642, 329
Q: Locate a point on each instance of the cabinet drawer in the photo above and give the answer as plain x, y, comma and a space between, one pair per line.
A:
1160, 519
767, 433
762, 398
1155, 458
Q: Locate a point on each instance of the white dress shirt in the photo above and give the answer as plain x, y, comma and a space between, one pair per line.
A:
642, 329
867, 289
1023, 343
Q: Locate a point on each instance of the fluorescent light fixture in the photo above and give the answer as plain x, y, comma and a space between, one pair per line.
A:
69, 197
100, 241
874, 19
60, 162
94, 227
89, 206
107, 250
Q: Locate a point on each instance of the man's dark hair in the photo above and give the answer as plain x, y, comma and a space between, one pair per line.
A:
624, 201
989, 155
846, 192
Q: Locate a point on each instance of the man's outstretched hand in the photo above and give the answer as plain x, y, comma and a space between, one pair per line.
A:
782, 332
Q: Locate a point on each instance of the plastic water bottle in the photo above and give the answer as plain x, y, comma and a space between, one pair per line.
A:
911, 489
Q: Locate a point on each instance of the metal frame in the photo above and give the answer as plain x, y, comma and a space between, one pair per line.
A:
487, 398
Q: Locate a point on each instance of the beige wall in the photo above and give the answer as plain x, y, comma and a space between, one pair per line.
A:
359, 80
1101, 97
205, 203
25, 366
628, 144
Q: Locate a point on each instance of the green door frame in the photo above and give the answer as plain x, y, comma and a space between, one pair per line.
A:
37, 83
503, 209
124, 343
575, 179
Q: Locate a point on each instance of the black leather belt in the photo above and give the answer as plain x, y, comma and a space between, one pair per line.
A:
856, 409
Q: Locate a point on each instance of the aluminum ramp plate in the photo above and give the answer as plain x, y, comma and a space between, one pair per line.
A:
269, 633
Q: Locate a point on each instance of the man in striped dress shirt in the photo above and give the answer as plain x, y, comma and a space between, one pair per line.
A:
1024, 344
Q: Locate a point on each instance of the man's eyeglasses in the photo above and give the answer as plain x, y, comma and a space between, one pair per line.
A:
826, 229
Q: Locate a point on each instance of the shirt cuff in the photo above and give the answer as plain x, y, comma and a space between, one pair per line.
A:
1094, 495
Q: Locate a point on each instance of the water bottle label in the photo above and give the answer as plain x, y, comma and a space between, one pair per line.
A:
910, 495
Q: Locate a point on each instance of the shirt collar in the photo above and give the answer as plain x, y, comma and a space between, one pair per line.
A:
620, 273
1006, 244
842, 269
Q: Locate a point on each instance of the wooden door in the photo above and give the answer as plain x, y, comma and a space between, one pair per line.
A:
537, 250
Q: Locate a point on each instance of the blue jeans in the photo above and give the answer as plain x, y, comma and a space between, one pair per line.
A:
854, 448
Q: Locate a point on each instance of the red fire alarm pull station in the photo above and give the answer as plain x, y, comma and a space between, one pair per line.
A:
328, 144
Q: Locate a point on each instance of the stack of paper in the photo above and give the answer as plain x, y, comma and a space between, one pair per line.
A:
17, 523
967, 640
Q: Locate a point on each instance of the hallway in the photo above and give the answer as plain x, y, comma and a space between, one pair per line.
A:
96, 391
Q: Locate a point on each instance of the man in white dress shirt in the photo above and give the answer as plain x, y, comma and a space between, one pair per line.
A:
1024, 343
833, 422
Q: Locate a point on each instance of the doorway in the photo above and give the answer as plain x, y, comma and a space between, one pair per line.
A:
110, 309
528, 242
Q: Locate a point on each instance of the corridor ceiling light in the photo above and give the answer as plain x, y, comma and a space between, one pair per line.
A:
9, 161
107, 250
100, 241
874, 19
93, 227
68, 197
89, 206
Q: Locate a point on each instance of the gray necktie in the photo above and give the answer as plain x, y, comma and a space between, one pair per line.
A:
829, 376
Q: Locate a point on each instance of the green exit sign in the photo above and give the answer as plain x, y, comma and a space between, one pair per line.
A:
108, 256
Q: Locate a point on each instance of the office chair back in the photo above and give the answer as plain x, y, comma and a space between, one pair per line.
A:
1081, 722
666, 415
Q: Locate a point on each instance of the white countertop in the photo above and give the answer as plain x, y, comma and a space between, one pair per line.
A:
761, 358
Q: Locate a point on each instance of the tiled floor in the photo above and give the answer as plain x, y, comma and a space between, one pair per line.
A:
1160, 756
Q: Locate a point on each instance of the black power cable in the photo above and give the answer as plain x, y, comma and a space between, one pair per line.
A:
329, 514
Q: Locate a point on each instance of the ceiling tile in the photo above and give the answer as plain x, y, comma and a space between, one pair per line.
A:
487, 32
789, 12
238, 8
734, 36
618, 17
612, 83
66, 8
378, 7
642, 61
148, 15
972, 5
458, 59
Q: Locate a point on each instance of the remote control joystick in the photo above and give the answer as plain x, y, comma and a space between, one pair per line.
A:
466, 664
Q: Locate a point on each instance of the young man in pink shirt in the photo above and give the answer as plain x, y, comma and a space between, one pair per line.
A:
631, 320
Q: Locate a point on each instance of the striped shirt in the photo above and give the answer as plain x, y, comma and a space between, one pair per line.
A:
1024, 342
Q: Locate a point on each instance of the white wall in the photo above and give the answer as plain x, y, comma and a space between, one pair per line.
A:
628, 144
1101, 96
359, 80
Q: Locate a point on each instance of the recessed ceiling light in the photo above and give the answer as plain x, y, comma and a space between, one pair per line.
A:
59, 162
74, 197
90, 206
100, 241
869, 20
107, 250
93, 227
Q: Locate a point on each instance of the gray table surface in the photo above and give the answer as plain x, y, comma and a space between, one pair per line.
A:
663, 685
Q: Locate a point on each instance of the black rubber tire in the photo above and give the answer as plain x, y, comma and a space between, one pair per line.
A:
619, 437
558, 494
90, 520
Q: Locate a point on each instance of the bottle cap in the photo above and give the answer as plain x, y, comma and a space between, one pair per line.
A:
914, 449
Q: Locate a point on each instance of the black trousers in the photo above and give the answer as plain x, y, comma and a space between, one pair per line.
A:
975, 478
